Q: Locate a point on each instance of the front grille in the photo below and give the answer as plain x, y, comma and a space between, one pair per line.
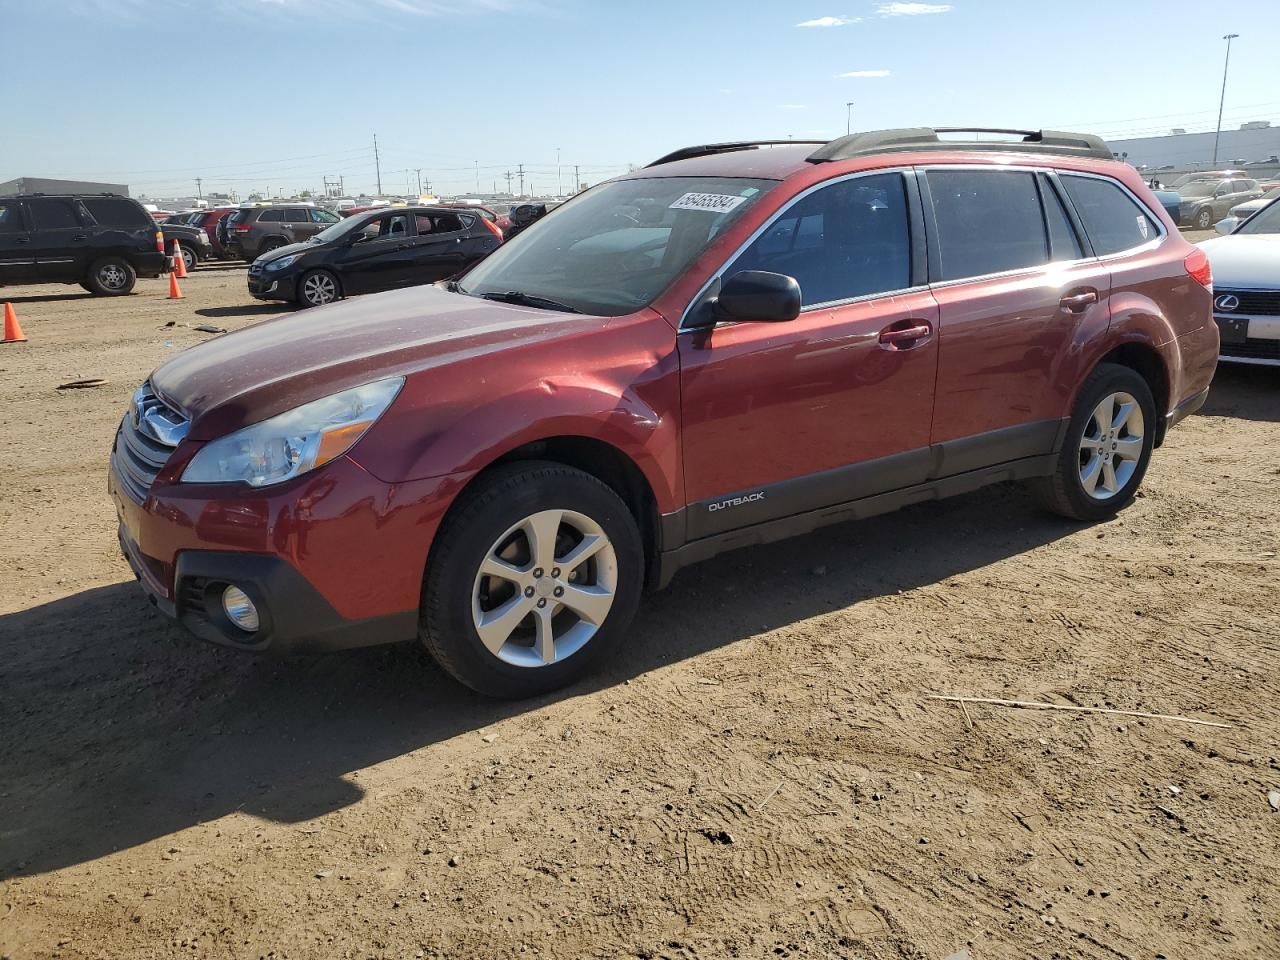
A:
1253, 303
146, 438
1253, 349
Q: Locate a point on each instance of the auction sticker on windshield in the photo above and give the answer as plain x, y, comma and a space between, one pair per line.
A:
710, 202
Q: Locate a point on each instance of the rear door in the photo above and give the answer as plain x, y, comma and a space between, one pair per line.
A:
17, 256
1016, 288
382, 259
438, 246
60, 238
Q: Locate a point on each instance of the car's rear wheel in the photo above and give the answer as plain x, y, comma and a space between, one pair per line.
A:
317, 288
111, 277
1107, 448
272, 243
534, 578
1204, 219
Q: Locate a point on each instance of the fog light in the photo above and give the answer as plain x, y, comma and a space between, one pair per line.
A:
240, 609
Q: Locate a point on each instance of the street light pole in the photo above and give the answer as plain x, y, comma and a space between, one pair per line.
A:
1223, 99
848, 118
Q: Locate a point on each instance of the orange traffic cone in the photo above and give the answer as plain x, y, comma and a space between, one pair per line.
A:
179, 264
175, 291
12, 328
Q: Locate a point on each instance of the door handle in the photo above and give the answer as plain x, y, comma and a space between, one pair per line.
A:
898, 337
23, 240
404, 246
81, 237
1076, 302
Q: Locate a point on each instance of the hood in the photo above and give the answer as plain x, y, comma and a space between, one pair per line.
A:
1251, 261
289, 250
265, 369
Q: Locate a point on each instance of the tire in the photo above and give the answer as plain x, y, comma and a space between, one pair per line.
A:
271, 243
111, 277
190, 258
520, 657
1204, 218
318, 287
1115, 457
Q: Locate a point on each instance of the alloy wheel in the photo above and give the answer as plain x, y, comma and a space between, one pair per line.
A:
319, 289
544, 588
112, 276
1111, 446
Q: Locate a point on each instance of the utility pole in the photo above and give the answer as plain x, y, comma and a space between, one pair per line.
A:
477, 176
1223, 99
377, 164
559, 182
520, 173
848, 118
508, 175
199, 191
577, 181
419, 172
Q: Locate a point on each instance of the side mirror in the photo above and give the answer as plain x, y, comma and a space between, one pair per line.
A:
757, 295
1227, 225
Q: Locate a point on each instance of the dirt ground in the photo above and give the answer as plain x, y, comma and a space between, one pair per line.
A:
760, 774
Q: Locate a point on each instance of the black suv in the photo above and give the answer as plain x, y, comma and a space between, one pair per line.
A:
103, 242
377, 250
253, 231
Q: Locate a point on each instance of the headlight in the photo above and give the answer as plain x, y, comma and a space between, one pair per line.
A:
294, 442
282, 262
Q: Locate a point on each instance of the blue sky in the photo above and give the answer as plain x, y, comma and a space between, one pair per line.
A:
278, 93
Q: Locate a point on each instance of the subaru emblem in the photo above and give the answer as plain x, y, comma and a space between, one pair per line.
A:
1227, 302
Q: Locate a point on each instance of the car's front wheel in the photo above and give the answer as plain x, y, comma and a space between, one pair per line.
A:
111, 277
317, 288
1107, 448
534, 578
190, 259
1204, 219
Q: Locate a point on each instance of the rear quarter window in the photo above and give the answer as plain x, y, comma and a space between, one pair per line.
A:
1113, 219
117, 212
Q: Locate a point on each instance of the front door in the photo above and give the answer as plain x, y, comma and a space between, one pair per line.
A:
17, 257
381, 259
783, 418
1015, 292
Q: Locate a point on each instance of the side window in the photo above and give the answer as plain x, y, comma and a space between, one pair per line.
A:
1113, 220
271, 216
323, 216
11, 218
117, 212
298, 215
989, 221
849, 239
1063, 242
438, 223
53, 214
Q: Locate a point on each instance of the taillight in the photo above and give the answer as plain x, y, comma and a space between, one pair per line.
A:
159, 242
492, 227
1197, 267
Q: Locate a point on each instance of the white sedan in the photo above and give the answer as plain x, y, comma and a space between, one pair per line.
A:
1246, 288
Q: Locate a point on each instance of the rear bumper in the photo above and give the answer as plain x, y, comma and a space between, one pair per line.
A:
150, 265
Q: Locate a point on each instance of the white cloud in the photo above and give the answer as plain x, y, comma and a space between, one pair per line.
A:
861, 74
911, 9
828, 21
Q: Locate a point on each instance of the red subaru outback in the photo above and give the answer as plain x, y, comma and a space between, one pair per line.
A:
730, 346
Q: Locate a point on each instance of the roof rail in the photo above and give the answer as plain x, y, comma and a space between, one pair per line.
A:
707, 149
926, 138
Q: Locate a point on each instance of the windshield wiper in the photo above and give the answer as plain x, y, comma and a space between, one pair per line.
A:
529, 300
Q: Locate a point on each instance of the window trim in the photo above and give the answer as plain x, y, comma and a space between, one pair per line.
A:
916, 237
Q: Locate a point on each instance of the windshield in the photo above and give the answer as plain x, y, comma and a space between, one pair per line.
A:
336, 230
616, 247
1266, 220
1198, 188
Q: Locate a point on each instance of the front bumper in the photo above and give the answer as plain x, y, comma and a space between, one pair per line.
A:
1260, 346
332, 560
269, 286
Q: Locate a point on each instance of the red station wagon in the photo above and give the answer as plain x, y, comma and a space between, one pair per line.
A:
727, 347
